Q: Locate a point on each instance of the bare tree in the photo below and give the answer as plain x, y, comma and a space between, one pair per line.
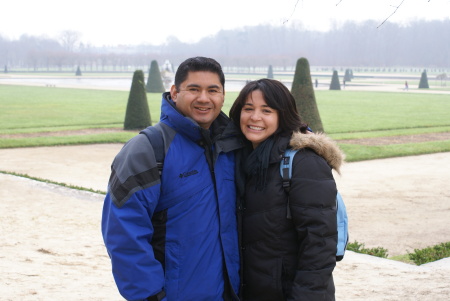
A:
421, 44
70, 39
395, 10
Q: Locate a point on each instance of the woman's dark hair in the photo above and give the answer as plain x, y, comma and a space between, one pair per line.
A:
278, 97
198, 63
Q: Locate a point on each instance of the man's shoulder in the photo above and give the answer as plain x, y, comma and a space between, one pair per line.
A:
137, 144
135, 156
133, 169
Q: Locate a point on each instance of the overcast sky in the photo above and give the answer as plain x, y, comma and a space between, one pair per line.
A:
113, 22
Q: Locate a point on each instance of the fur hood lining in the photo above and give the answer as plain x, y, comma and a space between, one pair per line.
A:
323, 145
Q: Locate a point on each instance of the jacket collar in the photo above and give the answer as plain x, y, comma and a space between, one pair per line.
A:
321, 144
222, 130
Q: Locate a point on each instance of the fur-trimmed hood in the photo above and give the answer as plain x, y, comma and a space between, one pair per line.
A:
323, 145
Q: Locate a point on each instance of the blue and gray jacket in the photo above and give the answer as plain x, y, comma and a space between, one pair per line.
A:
175, 234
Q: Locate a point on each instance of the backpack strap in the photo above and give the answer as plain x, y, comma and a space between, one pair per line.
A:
155, 137
286, 174
342, 225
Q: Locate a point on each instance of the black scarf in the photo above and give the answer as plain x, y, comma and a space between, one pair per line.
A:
254, 163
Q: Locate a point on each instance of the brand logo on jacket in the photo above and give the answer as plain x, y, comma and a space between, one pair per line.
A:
188, 173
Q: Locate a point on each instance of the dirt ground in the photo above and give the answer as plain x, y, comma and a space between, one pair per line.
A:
52, 247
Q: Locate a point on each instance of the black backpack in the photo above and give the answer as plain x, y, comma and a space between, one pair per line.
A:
154, 135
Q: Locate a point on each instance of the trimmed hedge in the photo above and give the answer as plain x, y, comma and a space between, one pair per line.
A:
270, 72
335, 84
137, 115
305, 99
154, 81
423, 84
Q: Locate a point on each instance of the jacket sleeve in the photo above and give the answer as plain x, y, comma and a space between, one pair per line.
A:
127, 229
313, 207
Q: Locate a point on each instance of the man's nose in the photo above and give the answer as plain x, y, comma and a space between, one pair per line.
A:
203, 95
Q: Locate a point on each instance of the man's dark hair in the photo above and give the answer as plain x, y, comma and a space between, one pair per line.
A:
278, 97
198, 63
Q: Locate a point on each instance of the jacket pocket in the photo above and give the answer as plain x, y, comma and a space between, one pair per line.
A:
262, 280
278, 278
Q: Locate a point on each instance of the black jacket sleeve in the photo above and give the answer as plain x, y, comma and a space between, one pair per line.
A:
313, 208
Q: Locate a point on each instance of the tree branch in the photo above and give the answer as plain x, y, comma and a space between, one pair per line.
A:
292, 12
396, 8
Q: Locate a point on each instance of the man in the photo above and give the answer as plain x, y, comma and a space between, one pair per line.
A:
174, 237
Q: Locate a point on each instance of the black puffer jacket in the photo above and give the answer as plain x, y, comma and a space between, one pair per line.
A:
292, 259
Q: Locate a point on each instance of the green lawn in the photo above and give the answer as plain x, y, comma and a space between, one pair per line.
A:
29, 109
345, 115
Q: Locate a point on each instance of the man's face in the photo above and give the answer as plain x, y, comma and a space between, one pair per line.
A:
201, 97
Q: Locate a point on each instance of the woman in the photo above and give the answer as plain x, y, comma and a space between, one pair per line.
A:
284, 258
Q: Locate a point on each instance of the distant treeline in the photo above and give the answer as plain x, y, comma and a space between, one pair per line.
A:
421, 44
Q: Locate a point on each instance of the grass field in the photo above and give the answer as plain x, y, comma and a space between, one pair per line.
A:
345, 115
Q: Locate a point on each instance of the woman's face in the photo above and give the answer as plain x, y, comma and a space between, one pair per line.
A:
258, 120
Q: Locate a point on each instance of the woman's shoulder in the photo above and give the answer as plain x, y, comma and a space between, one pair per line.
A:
320, 144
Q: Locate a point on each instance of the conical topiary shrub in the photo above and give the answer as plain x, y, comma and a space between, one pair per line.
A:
423, 84
270, 72
305, 100
347, 76
335, 85
154, 81
137, 115
78, 73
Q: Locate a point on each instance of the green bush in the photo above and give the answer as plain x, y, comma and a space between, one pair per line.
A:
137, 115
423, 84
335, 84
430, 254
305, 99
270, 72
154, 81
347, 76
359, 248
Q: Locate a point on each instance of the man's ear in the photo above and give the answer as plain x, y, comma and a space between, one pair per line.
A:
173, 93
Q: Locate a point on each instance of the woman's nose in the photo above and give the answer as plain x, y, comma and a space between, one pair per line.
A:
255, 115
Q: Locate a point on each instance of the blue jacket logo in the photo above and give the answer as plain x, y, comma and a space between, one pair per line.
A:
188, 173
